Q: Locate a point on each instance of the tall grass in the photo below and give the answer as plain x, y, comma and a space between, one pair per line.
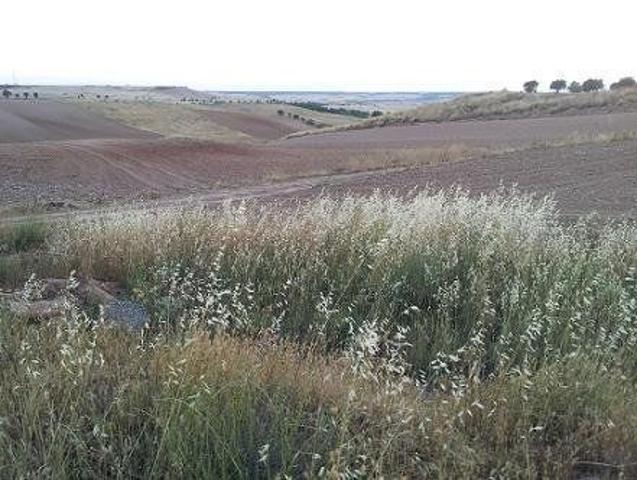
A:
439, 336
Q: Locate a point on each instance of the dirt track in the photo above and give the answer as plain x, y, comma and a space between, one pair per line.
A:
487, 133
33, 121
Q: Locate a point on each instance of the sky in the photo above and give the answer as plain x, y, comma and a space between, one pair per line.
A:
352, 45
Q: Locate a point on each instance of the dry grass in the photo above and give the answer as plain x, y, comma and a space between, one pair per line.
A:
172, 120
504, 105
435, 337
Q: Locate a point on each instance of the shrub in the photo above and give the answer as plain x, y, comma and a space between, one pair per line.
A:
575, 87
626, 82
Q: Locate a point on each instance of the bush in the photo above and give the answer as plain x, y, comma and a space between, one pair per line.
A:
575, 87
626, 82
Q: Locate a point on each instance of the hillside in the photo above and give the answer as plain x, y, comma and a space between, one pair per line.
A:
506, 105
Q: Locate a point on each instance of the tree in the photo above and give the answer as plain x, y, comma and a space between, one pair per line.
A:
35, 95
558, 85
626, 82
575, 87
593, 85
25, 95
6, 93
531, 86
280, 112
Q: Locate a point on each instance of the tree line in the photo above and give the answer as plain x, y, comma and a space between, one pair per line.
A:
589, 85
6, 93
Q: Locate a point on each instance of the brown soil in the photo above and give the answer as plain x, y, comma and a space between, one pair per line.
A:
582, 179
32, 121
87, 173
256, 126
475, 133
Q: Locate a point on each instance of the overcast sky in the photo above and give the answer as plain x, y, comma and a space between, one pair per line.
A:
317, 45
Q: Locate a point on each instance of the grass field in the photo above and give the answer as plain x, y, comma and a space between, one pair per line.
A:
227, 122
439, 336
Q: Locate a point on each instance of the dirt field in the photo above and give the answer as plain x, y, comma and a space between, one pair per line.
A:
256, 126
256, 123
32, 121
95, 171
583, 179
488, 133
87, 161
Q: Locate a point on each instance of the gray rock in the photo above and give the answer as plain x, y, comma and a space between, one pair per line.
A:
126, 313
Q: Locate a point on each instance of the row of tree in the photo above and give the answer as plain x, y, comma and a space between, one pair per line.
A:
6, 93
590, 85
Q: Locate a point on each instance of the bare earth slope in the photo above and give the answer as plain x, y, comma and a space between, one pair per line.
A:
29, 121
256, 126
475, 133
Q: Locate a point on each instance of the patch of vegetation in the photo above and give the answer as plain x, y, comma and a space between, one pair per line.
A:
319, 107
22, 237
626, 82
433, 337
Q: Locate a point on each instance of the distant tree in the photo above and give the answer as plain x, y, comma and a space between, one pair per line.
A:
6, 93
25, 95
17, 95
296, 116
35, 95
575, 87
593, 85
558, 85
626, 82
377, 113
280, 112
530, 86
98, 96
